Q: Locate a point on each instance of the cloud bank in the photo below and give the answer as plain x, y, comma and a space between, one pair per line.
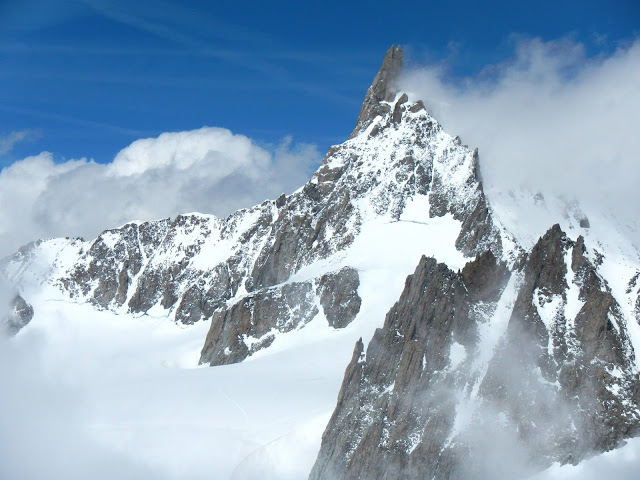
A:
52, 430
210, 170
621, 464
550, 119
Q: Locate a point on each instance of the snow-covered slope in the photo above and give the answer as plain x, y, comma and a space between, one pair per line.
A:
400, 188
276, 296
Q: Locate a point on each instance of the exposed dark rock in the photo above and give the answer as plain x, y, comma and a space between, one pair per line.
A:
299, 233
397, 110
485, 277
326, 174
197, 304
396, 408
383, 89
586, 276
277, 261
417, 106
145, 295
478, 232
339, 298
560, 387
161, 283
576, 359
251, 324
544, 276
112, 261
20, 314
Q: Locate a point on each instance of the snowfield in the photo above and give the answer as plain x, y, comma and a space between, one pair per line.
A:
104, 394
128, 389
84, 388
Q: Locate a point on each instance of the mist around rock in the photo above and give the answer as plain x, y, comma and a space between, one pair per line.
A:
497, 359
550, 120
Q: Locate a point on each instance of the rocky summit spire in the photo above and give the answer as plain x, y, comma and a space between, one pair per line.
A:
382, 89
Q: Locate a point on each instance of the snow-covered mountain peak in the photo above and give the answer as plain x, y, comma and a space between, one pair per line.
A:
383, 89
489, 320
397, 190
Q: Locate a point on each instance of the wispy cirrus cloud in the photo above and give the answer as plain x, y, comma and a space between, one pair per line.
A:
11, 139
66, 119
205, 35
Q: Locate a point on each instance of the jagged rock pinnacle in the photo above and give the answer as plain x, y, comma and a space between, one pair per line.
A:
382, 89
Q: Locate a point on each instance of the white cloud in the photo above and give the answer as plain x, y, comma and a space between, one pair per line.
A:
551, 119
43, 431
8, 141
209, 170
621, 464
216, 147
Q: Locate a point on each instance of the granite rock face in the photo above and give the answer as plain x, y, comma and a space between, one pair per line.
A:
252, 323
338, 295
20, 314
559, 385
382, 91
396, 410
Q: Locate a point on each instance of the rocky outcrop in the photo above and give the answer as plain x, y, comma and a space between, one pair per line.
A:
20, 314
382, 90
105, 271
313, 224
198, 303
338, 292
478, 232
566, 350
396, 410
560, 385
251, 324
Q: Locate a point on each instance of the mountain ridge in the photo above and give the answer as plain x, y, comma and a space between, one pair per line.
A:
399, 192
177, 265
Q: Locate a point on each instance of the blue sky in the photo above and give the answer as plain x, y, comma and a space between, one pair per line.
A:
85, 78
